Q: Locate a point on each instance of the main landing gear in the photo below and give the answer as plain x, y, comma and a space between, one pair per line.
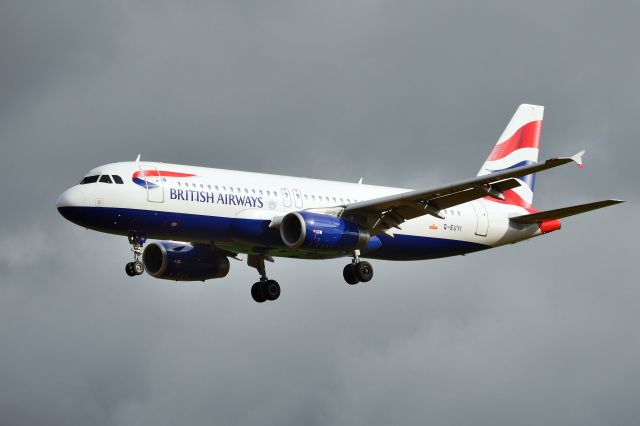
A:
357, 271
136, 267
265, 289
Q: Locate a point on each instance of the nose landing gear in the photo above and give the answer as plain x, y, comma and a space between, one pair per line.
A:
265, 289
137, 243
357, 271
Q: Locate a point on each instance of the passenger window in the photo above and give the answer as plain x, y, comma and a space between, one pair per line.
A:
105, 179
117, 179
89, 179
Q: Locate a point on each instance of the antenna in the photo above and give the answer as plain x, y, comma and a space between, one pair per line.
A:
138, 158
360, 181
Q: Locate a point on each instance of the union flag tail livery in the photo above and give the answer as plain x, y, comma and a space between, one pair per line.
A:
518, 146
203, 217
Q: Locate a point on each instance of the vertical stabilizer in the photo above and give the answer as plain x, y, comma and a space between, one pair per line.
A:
518, 146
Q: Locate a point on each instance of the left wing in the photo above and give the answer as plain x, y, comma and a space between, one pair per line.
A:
382, 214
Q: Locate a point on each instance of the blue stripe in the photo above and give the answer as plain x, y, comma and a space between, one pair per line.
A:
249, 234
529, 180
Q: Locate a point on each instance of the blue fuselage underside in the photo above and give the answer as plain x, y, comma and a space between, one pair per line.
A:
248, 235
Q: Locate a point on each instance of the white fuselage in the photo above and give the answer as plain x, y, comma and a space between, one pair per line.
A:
197, 204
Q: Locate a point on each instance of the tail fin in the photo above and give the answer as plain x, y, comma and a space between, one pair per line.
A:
518, 146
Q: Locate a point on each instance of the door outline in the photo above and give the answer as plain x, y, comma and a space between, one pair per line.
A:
153, 183
297, 198
286, 197
482, 218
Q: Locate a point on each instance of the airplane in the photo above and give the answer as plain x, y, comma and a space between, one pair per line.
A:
202, 217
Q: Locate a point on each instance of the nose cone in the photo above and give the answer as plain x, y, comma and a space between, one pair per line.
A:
71, 203
72, 197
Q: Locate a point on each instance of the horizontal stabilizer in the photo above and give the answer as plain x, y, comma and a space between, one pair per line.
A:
564, 212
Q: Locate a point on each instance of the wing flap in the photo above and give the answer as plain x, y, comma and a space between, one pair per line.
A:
564, 212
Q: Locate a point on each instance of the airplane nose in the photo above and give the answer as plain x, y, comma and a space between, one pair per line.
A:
69, 201
70, 198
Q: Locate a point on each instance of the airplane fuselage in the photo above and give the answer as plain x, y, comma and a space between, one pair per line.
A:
233, 210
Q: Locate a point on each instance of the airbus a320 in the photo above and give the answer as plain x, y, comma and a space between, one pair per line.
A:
201, 217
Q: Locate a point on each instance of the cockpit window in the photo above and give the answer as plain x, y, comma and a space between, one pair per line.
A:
89, 179
105, 179
117, 179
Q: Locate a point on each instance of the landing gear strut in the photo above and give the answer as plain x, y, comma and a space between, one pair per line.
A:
137, 242
265, 289
357, 271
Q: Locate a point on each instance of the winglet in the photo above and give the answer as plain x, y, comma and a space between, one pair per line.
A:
578, 159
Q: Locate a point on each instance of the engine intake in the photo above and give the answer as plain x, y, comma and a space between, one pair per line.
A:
184, 262
320, 231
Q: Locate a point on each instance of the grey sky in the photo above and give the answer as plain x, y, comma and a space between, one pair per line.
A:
402, 93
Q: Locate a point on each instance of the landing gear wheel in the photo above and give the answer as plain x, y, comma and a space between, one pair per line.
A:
258, 293
349, 274
271, 289
129, 269
364, 271
138, 268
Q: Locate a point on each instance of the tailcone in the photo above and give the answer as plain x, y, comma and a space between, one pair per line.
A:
550, 225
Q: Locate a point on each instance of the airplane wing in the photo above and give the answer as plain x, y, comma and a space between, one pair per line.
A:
380, 215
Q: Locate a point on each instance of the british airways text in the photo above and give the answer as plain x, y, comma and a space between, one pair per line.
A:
210, 197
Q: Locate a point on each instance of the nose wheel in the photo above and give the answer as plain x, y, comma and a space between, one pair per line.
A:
265, 289
137, 243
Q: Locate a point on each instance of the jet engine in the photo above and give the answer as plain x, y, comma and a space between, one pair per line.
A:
323, 232
184, 262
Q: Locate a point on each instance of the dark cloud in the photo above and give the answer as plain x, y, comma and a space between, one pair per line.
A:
407, 94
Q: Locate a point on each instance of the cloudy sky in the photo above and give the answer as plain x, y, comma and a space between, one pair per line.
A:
404, 93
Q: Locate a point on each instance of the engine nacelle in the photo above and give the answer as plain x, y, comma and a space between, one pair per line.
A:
320, 231
184, 262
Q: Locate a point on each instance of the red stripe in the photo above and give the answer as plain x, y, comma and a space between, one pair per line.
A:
511, 197
160, 173
527, 136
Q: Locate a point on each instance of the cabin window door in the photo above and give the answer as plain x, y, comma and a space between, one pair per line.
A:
482, 218
153, 182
